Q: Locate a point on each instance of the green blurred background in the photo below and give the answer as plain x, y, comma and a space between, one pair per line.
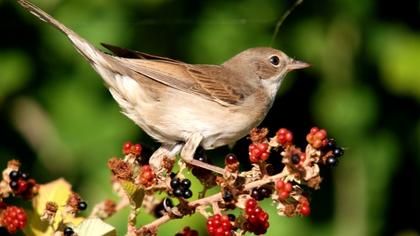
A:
364, 88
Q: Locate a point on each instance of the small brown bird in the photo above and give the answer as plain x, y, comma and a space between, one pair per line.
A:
182, 105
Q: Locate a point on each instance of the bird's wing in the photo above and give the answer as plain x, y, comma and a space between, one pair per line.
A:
213, 82
128, 53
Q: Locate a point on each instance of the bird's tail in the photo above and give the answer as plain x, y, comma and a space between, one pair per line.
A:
92, 54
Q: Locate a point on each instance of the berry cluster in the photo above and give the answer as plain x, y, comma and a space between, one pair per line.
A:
13, 218
283, 189
219, 225
129, 148
261, 192
256, 218
336, 152
317, 138
284, 137
146, 176
22, 185
181, 188
258, 152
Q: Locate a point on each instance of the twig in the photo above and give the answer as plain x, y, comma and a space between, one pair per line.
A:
214, 199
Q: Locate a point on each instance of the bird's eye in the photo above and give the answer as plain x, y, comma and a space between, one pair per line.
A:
275, 60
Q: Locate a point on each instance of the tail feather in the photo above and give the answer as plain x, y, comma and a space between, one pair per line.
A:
92, 54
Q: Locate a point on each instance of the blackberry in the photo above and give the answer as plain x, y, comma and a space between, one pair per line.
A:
175, 183
295, 159
14, 175
82, 206
68, 231
256, 194
14, 185
185, 183
178, 192
338, 152
227, 196
186, 193
332, 161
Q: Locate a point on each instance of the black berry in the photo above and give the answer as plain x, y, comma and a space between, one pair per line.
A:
231, 217
24, 176
338, 152
330, 144
256, 194
175, 183
185, 183
295, 159
68, 231
332, 161
178, 192
186, 193
264, 192
200, 155
14, 185
227, 196
82, 205
14, 175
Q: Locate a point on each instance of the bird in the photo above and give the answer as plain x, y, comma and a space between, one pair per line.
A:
184, 106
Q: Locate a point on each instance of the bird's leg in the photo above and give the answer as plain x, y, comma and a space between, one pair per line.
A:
187, 154
157, 159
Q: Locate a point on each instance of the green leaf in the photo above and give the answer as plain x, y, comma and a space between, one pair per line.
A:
95, 226
134, 193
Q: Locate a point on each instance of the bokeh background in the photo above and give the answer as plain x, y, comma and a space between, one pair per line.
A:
364, 88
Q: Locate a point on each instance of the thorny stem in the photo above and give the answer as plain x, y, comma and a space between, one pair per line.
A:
214, 199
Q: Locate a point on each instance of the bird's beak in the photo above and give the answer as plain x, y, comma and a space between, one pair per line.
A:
295, 65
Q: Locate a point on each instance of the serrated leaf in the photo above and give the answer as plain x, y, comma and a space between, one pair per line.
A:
95, 226
56, 191
134, 193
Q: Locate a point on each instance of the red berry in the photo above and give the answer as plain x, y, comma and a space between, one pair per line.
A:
265, 156
288, 187
305, 210
253, 159
218, 225
256, 152
137, 149
284, 136
321, 134
14, 218
279, 185
146, 177
263, 146
231, 159
22, 186
127, 148
283, 195
314, 130
251, 203
263, 216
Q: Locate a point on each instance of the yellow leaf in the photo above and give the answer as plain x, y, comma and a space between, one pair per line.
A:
134, 193
57, 191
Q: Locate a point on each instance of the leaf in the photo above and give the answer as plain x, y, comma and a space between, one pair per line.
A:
134, 193
95, 226
56, 191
